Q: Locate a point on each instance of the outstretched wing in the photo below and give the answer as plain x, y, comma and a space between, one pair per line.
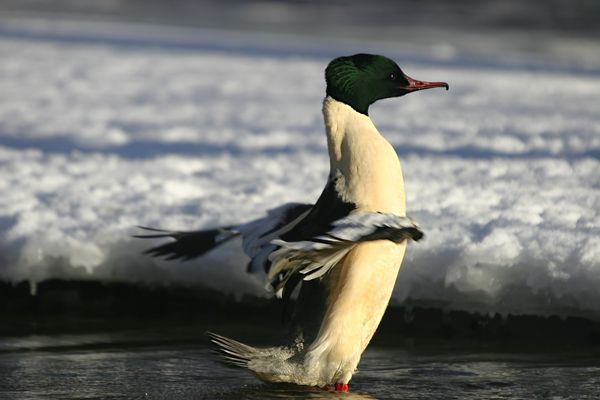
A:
313, 258
295, 241
187, 245
256, 236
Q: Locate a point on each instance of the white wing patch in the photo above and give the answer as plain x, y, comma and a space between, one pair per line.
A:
315, 257
258, 234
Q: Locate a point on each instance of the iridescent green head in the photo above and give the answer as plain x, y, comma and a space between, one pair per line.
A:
362, 79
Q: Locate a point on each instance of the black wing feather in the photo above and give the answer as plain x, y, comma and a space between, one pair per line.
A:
187, 245
328, 209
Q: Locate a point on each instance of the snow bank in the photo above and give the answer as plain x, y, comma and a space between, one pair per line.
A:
502, 171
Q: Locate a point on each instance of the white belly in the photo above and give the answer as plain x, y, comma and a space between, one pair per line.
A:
359, 292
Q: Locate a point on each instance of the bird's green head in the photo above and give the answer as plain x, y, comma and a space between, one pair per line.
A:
362, 79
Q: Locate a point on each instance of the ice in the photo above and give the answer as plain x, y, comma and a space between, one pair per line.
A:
98, 137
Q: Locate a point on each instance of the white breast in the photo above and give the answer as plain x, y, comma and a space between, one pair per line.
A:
365, 164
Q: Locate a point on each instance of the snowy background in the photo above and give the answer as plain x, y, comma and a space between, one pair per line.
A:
109, 125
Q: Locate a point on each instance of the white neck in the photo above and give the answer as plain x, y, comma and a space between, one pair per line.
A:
365, 165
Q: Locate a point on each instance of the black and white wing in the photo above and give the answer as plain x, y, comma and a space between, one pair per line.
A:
256, 236
314, 257
290, 222
293, 242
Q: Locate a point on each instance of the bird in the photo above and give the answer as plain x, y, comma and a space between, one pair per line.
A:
336, 260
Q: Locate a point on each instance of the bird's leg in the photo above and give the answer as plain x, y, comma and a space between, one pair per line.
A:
341, 387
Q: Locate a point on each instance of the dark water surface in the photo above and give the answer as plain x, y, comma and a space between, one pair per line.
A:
170, 364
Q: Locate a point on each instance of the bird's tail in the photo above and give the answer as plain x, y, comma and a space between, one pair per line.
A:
187, 245
233, 353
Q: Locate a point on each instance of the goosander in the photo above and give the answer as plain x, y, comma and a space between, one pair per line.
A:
343, 252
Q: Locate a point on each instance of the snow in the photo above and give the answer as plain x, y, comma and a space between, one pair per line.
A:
97, 137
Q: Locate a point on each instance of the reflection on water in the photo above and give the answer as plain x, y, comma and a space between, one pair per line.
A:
121, 366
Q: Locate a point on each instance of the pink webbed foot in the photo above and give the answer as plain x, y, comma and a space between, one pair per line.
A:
341, 387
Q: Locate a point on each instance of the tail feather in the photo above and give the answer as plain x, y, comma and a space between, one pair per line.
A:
187, 245
233, 353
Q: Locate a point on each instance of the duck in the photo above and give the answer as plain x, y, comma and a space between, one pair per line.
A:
336, 260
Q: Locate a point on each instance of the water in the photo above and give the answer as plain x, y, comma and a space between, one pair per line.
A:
174, 364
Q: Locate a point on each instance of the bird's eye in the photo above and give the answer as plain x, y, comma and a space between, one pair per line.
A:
393, 76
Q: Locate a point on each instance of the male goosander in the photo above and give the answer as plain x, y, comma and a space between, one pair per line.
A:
344, 251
